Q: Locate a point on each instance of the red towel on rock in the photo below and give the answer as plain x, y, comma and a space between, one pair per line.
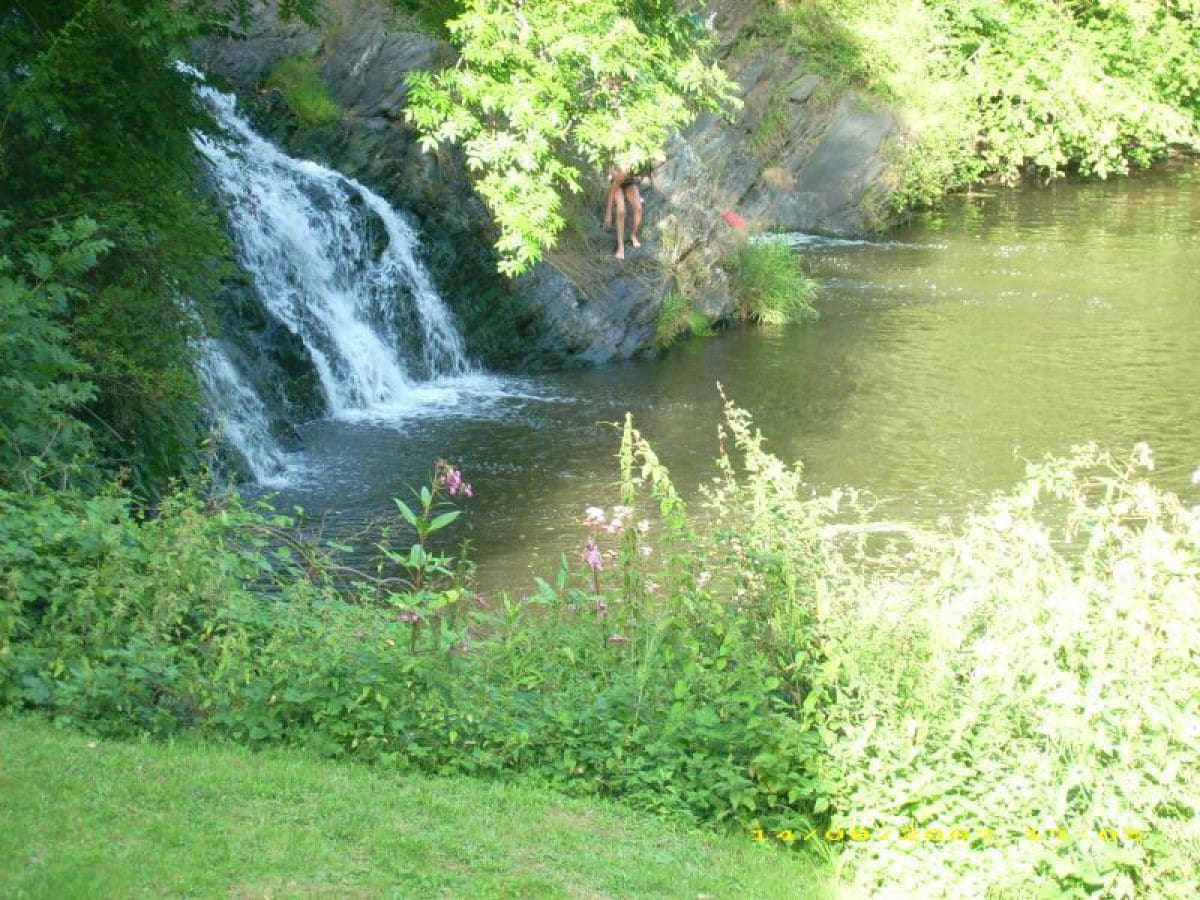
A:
734, 220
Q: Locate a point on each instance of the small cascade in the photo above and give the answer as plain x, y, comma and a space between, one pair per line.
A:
337, 266
240, 415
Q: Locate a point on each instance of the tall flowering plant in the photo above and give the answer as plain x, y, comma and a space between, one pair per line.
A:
432, 586
627, 535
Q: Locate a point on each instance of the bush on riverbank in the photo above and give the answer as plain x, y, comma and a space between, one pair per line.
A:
996, 89
768, 284
779, 663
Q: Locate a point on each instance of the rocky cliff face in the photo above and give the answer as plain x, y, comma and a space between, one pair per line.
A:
797, 157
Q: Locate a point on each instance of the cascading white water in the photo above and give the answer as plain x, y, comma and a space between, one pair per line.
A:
303, 232
336, 264
241, 415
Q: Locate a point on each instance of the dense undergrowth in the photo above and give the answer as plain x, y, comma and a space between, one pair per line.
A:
772, 661
998, 89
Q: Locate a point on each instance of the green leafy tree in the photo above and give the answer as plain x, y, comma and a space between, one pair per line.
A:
41, 383
542, 89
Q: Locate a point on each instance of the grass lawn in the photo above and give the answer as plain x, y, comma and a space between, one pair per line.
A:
81, 818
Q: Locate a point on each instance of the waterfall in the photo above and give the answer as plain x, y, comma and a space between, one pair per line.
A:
241, 415
337, 265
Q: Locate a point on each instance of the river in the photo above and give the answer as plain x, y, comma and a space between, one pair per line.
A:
1007, 325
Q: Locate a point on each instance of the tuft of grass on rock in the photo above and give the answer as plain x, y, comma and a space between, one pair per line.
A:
296, 77
700, 325
768, 284
674, 318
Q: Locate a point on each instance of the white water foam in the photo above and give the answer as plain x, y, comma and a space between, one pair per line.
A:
242, 416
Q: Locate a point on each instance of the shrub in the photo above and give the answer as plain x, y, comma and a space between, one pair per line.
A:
297, 78
98, 126
537, 94
768, 284
1032, 675
42, 383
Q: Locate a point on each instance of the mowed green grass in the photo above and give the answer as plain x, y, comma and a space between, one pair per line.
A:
84, 818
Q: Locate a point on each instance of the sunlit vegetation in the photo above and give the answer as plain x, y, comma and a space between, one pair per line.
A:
544, 88
307, 96
768, 283
997, 89
1007, 706
674, 318
1030, 669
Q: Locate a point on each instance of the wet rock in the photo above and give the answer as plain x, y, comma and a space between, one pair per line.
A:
264, 42
271, 357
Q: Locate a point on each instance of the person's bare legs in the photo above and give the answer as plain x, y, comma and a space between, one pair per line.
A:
620, 204
634, 199
610, 201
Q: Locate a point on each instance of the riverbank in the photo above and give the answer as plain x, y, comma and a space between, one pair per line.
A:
987, 703
88, 818
732, 666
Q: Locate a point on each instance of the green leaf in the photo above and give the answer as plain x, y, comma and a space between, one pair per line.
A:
417, 557
406, 511
444, 519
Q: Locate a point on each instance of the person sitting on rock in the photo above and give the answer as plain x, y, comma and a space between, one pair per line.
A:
623, 192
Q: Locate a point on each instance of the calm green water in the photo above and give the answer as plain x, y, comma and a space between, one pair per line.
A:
1009, 325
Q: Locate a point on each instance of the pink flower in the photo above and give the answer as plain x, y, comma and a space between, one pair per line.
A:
410, 617
451, 479
591, 556
595, 515
615, 526
644, 526
602, 608
622, 512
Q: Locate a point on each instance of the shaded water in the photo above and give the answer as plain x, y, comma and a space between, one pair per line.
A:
1021, 321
